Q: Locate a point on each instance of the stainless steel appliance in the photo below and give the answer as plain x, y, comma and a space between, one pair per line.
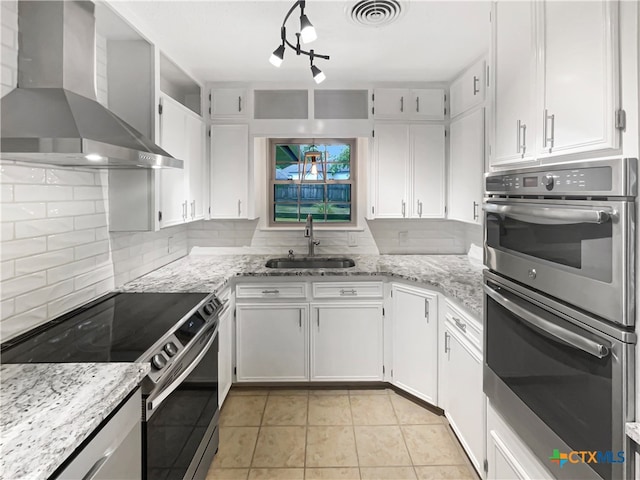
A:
178, 334
567, 231
560, 308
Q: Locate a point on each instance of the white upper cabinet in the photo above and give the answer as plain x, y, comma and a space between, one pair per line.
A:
406, 104
515, 71
468, 89
580, 77
229, 171
556, 80
195, 173
228, 103
409, 171
466, 166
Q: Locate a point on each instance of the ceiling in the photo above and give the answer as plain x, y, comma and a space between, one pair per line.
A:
224, 41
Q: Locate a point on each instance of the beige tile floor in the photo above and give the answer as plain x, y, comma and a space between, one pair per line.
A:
334, 435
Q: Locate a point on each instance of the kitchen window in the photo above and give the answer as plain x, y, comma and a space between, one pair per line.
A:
309, 177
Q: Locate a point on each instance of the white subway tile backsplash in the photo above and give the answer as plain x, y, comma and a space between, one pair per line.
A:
9, 38
90, 221
70, 270
9, 16
88, 193
22, 211
7, 308
36, 298
70, 177
9, 57
70, 239
6, 231
25, 283
10, 173
17, 324
69, 209
35, 263
22, 248
91, 249
7, 270
6, 192
69, 302
49, 226
94, 276
42, 193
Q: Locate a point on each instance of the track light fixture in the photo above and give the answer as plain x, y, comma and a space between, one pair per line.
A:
307, 34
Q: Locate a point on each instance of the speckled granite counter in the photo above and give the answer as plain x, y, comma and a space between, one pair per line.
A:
454, 275
633, 431
47, 410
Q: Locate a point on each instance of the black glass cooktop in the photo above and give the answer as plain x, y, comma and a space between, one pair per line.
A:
117, 328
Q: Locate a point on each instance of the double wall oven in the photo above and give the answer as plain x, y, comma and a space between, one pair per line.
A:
560, 309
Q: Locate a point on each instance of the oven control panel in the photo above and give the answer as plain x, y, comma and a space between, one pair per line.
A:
578, 181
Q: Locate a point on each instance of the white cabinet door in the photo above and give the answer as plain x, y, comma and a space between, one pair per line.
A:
466, 166
580, 76
392, 157
390, 103
229, 171
173, 139
346, 341
515, 73
272, 342
502, 464
415, 337
463, 399
225, 355
196, 184
427, 171
228, 103
426, 104
468, 89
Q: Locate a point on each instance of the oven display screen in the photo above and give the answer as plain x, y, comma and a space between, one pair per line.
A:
529, 181
189, 329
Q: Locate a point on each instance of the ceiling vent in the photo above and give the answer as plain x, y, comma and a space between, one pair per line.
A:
375, 13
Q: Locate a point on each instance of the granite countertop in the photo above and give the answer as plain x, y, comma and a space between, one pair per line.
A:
48, 409
453, 275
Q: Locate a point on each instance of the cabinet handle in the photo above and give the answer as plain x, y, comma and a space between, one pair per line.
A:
426, 309
193, 209
417, 104
460, 324
239, 103
476, 83
239, 208
267, 292
300, 318
184, 210
419, 208
475, 210
351, 291
522, 138
318, 319
446, 342
93, 471
401, 104
548, 140
403, 208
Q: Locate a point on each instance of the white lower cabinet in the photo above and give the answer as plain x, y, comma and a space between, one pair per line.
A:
346, 341
272, 342
225, 354
415, 337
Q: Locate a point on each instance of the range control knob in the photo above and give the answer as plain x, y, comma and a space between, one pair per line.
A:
208, 309
548, 181
158, 361
170, 349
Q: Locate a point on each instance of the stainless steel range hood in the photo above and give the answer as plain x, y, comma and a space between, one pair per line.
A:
53, 116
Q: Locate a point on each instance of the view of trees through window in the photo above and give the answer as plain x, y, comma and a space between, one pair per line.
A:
312, 178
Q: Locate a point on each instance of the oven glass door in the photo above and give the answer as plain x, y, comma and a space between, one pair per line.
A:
175, 431
571, 238
568, 388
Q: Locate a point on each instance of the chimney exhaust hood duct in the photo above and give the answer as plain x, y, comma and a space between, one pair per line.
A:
53, 116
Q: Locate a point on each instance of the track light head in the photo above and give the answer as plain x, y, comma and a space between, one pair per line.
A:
277, 56
307, 31
318, 76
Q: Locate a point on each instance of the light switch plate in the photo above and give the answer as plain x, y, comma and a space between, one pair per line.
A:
352, 239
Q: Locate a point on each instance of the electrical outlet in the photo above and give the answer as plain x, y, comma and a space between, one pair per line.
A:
403, 237
170, 245
353, 239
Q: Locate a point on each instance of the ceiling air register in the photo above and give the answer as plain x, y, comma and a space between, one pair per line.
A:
307, 34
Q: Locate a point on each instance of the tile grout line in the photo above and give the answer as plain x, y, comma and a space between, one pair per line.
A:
353, 428
255, 446
306, 436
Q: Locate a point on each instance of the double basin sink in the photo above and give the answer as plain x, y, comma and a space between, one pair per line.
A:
310, 262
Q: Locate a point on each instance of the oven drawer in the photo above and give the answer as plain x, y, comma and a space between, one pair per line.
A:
272, 290
347, 289
465, 324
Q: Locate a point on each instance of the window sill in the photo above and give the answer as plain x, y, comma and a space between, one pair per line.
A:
316, 227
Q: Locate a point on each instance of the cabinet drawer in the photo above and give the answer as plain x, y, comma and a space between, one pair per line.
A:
468, 326
272, 290
347, 289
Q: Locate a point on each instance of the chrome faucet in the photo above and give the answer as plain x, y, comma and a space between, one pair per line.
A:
308, 233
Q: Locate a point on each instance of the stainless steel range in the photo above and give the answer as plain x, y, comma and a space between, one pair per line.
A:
178, 334
560, 310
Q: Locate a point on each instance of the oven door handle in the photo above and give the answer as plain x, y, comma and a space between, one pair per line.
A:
548, 215
562, 334
155, 402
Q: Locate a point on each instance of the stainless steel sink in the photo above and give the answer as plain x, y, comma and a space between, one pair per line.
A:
310, 262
